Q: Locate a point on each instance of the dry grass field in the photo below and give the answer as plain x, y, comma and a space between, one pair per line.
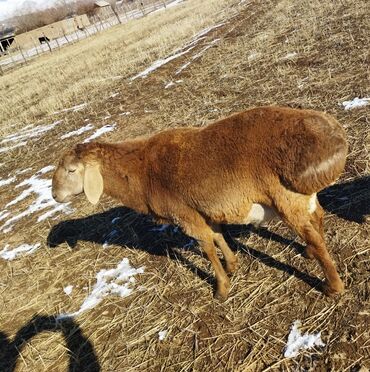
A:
221, 57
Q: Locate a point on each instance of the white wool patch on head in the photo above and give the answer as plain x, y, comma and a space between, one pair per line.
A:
118, 281
297, 341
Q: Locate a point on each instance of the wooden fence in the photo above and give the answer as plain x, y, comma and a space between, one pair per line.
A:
15, 55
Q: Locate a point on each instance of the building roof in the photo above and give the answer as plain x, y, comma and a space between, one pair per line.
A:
6, 33
101, 3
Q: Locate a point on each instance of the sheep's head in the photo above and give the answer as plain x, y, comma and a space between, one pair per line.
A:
75, 175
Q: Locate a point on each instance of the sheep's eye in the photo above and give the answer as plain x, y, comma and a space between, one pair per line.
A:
71, 170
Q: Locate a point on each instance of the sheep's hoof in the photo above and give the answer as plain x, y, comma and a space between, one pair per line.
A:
231, 267
222, 293
307, 253
332, 290
220, 297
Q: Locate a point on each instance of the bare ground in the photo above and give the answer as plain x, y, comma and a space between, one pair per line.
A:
252, 64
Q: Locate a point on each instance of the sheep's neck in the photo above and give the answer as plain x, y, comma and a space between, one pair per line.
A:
124, 180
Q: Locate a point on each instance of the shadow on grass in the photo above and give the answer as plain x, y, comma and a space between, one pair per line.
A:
124, 227
81, 353
348, 200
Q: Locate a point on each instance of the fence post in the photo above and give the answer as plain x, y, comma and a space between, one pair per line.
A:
47, 42
34, 44
124, 10
20, 50
94, 24
10, 54
56, 40
64, 34
116, 14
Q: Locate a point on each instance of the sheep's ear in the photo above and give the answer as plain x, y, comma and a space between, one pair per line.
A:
93, 183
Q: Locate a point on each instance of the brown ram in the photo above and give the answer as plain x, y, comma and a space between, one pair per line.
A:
246, 168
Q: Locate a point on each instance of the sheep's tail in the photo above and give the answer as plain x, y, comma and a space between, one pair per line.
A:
319, 160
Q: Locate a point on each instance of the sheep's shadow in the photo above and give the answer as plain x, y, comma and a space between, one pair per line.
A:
81, 353
124, 227
348, 200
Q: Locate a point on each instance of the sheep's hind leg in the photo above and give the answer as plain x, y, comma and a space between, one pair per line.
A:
295, 214
317, 218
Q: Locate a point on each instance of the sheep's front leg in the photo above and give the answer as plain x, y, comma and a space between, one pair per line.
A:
223, 282
199, 230
230, 258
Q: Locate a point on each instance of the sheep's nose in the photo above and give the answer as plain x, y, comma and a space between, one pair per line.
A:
54, 195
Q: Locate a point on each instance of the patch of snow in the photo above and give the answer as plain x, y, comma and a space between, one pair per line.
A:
196, 56
125, 113
356, 102
57, 208
46, 169
77, 132
116, 281
297, 341
6, 149
4, 214
28, 133
253, 56
4, 182
159, 63
74, 108
178, 53
105, 129
207, 30
40, 190
114, 95
171, 83
11, 254
290, 55
22, 171
68, 289
162, 335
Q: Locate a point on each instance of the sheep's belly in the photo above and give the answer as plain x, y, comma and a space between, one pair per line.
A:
260, 214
